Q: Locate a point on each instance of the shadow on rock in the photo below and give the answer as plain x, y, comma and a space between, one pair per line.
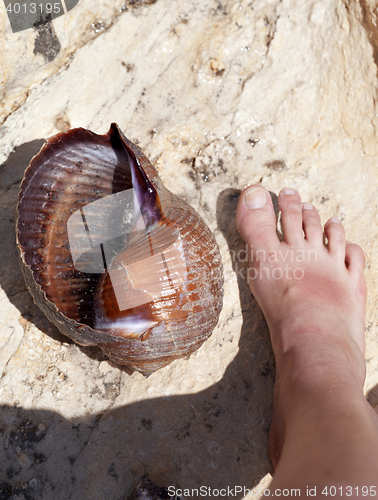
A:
216, 438
372, 397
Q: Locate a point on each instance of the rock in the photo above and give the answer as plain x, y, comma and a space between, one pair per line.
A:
31, 56
218, 95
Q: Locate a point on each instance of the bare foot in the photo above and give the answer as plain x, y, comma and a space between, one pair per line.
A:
313, 298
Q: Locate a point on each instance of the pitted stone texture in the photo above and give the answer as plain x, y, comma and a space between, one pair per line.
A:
29, 57
219, 95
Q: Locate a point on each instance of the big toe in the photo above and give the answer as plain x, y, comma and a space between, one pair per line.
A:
255, 218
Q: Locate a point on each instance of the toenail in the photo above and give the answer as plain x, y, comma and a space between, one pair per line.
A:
255, 198
288, 191
307, 206
334, 219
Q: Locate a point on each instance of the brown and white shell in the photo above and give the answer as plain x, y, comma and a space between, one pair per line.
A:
111, 256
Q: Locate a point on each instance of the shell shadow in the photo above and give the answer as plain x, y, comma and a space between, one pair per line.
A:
217, 438
372, 397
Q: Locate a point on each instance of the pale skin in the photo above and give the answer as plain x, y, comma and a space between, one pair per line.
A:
323, 432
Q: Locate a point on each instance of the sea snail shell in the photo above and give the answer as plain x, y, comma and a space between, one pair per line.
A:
111, 256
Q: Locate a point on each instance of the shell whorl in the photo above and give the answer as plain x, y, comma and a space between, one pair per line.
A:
159, 296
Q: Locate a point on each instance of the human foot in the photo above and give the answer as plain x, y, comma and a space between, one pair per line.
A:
313, 299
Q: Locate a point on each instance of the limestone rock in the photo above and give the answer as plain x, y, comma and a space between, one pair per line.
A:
219, 95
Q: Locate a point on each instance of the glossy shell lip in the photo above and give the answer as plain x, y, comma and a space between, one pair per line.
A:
170, 261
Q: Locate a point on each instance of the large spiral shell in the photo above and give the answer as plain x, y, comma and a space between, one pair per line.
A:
111, 256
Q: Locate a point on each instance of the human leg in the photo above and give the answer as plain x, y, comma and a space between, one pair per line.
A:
323, 432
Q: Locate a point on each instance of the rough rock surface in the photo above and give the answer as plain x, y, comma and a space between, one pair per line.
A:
219, 94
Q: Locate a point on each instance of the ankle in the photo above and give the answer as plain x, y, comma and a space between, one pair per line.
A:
305, 390
313, 354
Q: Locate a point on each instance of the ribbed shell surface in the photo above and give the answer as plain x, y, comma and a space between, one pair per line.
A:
75, 169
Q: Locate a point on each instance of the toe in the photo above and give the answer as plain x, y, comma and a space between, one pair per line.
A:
255, 218
334, 231
311, 224
291, 214
354, 257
